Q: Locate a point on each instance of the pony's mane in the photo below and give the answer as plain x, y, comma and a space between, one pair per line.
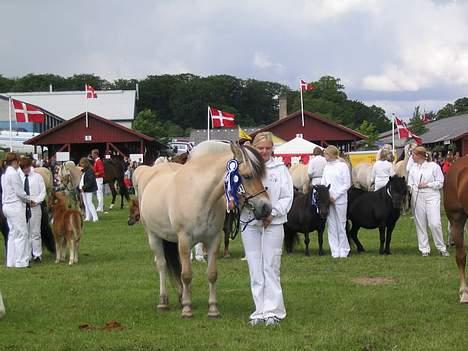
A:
209, 147
249, 155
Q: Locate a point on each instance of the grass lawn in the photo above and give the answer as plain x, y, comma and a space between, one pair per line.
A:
328, 309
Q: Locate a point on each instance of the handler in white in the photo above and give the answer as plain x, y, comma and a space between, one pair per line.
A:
263, 240
336, 174
316, 165
14, 200
382, 170
425, 180
37, 192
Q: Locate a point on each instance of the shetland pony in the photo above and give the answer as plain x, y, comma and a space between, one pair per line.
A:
456, 208
66, 227
182, 206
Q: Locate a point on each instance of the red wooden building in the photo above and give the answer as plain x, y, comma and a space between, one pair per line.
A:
316, 129
77, 138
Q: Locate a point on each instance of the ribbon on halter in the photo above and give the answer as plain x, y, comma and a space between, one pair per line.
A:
232, 183
313, 200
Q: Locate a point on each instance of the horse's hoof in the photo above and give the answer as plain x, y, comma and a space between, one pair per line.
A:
187, 314
464, 297
307, 253
214, 315
70, 263
388, 253
57, 261
162, 307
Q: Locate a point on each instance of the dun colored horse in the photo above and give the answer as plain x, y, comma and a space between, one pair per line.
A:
456, 208
66, 227
186, 205
300, 177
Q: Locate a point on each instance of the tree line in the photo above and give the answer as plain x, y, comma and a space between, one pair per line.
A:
171, 105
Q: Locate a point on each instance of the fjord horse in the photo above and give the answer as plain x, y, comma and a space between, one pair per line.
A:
308, 212
456, 208
376, 209
300, 177
66, 227
183, 206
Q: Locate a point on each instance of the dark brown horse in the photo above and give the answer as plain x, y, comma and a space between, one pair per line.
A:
114, 172
456, 208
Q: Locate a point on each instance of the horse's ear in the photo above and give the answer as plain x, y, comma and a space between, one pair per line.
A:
236, 151
328, 186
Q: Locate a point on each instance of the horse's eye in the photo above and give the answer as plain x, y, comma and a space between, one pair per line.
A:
247, 176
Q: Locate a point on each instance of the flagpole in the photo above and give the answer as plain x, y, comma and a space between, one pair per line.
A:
302, 104
208, 124
86, 97
393, 134
9, 117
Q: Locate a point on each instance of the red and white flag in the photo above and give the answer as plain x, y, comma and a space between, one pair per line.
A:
403, 131
306, 86
425, 118
222, 119
90, 92
27, 113
416, 138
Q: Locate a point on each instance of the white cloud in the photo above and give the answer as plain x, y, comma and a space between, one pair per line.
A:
262, 61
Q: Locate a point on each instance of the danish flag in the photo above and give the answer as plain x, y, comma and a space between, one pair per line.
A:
404, 132
424, 118
221, 119
306, 86
27, 113
90, 92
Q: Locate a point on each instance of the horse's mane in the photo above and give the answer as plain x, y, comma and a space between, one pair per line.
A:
213, 147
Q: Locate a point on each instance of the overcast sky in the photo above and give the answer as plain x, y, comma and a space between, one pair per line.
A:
394, 53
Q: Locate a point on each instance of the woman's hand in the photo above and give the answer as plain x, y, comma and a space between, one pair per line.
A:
422, 185
267, 221
332, 199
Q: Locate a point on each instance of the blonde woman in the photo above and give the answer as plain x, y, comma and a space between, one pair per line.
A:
87, 187
382, 170
425, 179
336, 174
263, 240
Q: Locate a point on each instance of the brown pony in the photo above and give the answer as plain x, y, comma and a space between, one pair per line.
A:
66, 227
456, 208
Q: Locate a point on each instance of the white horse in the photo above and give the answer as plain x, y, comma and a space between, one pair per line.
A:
300, 177
181, 206
361, 174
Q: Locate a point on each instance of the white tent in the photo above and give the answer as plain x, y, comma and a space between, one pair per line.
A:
296, 146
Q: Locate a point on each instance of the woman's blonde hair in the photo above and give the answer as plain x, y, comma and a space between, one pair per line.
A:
421, 151
384, 155
263, 136
332, 151
9, 158
84, 162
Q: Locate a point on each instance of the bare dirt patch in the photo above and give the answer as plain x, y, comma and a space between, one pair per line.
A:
373, 280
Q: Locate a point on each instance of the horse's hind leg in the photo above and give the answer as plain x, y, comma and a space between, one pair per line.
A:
456, 227
226, 245
382, 239
306, 243
71, 259
388, 239
114, 194
354, 235
213, 248
58, 249
320, 240
186, 275
156, 245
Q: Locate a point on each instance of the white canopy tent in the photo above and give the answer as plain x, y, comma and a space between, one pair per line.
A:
296, 146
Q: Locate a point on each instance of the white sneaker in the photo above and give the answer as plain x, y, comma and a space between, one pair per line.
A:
444, 253
425, 254
256, 321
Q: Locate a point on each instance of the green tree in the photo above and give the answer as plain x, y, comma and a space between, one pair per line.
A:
369, 129
461, 105
147, 123
446, 111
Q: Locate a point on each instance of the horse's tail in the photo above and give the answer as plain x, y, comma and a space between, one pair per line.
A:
174, 268
291, 238
46, 232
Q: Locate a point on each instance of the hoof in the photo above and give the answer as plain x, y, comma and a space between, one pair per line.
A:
464, 297
161, 307
187, 311
214, 315
70, 263
388, 253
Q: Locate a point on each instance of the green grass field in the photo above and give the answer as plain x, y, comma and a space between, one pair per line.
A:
416, 309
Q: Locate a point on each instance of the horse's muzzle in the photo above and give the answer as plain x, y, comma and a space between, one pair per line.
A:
132, 220
262, 210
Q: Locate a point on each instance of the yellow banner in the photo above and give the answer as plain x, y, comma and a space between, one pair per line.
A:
357, 157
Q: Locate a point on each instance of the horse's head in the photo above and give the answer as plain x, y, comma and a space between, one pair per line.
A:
134, 212
396, 188
320, 197
251, 170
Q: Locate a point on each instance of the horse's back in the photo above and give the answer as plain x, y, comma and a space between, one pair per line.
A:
46, 174
361, 176
300, 177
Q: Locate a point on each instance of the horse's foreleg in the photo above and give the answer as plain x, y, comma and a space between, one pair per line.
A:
306, 243
388, 239
71, 259
213, 248
58, 249
114, 194
456, 228
156, 245
226, 245
354, 235
382, 239
185, 246
320, 240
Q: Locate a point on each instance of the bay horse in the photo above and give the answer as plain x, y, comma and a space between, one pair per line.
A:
114, 173
308, 213
456, 209
183, 206
376, 209
66, 227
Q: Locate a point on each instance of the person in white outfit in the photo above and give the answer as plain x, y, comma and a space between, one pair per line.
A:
316, 165
336, 174
87, 187
14, 200
425, 179
382, 170
34, 186
263, 240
